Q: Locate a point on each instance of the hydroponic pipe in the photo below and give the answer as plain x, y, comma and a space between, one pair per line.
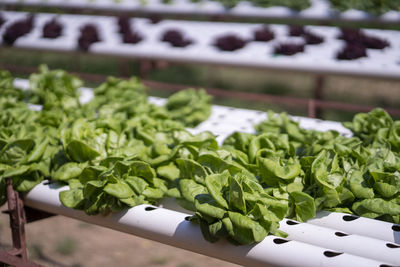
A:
331, 238
358, 225
341, 241
170, 227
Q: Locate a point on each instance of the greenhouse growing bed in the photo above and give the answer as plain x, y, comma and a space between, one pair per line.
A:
330, 239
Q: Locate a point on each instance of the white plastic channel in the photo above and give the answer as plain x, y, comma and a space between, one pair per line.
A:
359, 245
358, 225
319, 9
170, 227
330, 238
315, 58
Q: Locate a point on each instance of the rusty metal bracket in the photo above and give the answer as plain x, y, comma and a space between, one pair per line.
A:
17, 256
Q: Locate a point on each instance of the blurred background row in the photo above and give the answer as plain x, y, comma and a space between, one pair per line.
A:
331, 58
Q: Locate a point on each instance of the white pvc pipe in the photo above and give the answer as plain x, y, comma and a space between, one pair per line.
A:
363, 246
170, 227
358, 225
333, 239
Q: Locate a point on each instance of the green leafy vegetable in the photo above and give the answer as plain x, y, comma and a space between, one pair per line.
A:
376, 7
119, 151
189, 106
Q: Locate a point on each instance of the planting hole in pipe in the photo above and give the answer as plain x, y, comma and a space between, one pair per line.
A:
280, 241
349, 218
396, 228
289, 222
385, 265
341, 234
331, 254
390, 245
150, 208
187, 218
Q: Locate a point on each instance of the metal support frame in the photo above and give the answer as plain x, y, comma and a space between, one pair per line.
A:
17, 256
124, 67
145, 67
318, 96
